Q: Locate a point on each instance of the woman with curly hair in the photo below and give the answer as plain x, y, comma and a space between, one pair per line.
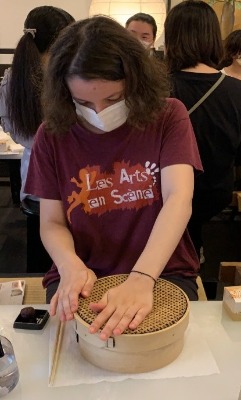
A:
113, 165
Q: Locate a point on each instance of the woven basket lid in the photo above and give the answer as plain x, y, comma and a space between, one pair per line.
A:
170, 304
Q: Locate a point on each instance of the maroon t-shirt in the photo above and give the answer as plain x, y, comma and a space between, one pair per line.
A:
110, 186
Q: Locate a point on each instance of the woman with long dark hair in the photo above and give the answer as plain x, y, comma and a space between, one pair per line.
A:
21, 88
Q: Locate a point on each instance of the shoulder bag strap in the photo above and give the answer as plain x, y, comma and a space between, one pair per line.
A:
216, 84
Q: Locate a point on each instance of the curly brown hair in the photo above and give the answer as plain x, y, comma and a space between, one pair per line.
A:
100, 48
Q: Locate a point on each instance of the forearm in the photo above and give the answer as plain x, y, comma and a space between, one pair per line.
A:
165, 236
59, 243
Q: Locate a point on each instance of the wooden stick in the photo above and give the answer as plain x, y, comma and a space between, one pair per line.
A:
56, 351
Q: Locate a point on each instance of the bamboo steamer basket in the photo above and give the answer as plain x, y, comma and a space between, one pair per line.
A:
156, 342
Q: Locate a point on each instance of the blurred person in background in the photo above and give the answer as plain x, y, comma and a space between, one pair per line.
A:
21, 111
231, 65
144, 28
231, 62
193, 52
21, 87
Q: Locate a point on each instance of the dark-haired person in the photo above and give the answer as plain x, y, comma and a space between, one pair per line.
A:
231, 63
21, 87
113, 166
144, 28
193, 52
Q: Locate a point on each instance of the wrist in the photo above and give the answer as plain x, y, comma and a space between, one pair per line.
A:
136, 271
143, 278
70, 263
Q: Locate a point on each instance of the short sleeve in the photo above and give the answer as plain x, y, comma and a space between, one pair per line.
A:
179, 144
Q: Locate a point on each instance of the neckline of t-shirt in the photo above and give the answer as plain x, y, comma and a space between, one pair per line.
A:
199, 75
122, 130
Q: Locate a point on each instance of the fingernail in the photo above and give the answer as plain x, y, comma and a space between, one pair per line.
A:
103, 336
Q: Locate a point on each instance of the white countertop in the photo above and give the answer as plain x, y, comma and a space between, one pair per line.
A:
222, 335
14, 150
10, 155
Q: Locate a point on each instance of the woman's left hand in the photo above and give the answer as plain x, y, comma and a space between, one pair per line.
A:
124, 306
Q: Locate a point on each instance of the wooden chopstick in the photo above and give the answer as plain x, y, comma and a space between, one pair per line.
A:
56, 351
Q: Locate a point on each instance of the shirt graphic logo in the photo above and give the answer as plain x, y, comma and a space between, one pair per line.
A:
126, 187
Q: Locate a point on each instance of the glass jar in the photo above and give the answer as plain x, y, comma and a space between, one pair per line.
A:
9, 374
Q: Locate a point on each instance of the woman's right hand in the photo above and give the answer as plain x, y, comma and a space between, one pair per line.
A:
75, 278
73, 282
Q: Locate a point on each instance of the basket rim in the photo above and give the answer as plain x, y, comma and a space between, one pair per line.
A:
135, 335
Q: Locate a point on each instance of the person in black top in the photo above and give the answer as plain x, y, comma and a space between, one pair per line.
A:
193, 52
231, 63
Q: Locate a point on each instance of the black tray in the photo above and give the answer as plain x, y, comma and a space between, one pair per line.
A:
41, 317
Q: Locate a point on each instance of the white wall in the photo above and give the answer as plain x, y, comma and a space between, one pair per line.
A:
13, 14
175, 2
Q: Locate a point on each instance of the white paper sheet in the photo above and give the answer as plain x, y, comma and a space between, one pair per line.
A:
196, 359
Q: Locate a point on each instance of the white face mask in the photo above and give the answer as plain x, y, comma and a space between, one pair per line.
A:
147, 45
107, 120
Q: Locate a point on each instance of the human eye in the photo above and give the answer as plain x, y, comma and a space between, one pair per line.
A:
115, 98
112, 100
83, 103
